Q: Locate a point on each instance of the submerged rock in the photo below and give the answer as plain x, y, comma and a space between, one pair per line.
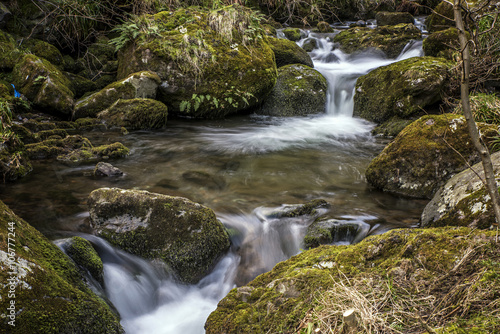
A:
50, 294
390, 39
425, 155
393, 18
463, 200
106, 169
136, 114
402, 89
184, 234
295, 210
211, 63
299, 91
430, 263
287, 52
84, 255
137, 85
205, 179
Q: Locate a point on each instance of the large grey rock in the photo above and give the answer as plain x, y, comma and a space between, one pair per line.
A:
184, 234
463, 200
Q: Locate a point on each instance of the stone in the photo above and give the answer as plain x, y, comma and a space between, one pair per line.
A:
324, 27
442, 43
393, 18
85, 256
136, 113
106, 169
441, 18
185, 235
292, 34
299, 91
287, 52
326, 230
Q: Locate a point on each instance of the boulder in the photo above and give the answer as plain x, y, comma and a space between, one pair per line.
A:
463, 200
425, 155
390, 39
136, 114
44, 85
137, 85
45, 281
299, 91
80, 85
441, 18
393, 18
310, 44
442, 43
9, 54
287, 52
292, 34
85, 256
324, 27
402, 89
44, 50
326, 230
422, 264
211, 64
184, 234
106, 169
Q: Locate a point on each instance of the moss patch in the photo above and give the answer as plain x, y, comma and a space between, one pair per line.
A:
287, 52
136, 114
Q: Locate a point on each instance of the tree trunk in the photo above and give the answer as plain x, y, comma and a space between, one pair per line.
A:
489, 173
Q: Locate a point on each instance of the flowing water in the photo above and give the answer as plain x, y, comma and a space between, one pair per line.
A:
245, 167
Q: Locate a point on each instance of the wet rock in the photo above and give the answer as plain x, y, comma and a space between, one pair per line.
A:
299, 91
463, 200
292, 34
106, 169
393, 18
184, 234
389, 39
85, 256
287, 52
442, 43
425, 155
138, 85
324, 27
136, 114
295, 210
205, 179
47, 281
327, 231
206, 70
44, 85
402, 89
310, 44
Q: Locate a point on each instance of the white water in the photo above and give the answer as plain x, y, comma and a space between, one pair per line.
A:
150, 301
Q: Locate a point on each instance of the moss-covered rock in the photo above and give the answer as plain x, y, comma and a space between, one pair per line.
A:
44, 285
211, 63
184, 234
310, 44
85, 256
287, 52
313, 289
292, 34
299, 91
390, 39
326, 230
136, 114
44, 50
392, 127
441, 18
324, 27
425, 155
80, 85
463, 200
137, 85
393, 18
44, 85
402, 89
295, 210
9, 53
442, 43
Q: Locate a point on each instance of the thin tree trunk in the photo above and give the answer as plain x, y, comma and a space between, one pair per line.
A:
489, 174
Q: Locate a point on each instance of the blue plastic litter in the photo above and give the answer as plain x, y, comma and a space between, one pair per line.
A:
16, 93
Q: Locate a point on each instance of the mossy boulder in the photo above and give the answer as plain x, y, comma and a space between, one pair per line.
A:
137, 85
463, 200
184, 234
326, 230
44, 50
136, 114
324, 27
441, 18
402, 89
44, 85
390, 39
309, 44
442, 43
211, 63
287, 52
85, 256
393, 18
80, 85
299, 91
50, 293
9, 53
292, 34
425, 155
312, 290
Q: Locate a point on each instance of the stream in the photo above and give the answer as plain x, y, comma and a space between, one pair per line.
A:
253, 165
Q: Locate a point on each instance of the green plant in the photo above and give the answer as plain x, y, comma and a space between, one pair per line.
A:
231, 98
7, 136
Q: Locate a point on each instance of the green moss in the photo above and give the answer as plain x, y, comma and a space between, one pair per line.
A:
390, 39
9, 53
292, 34
50, 296
393, 18
412, 263
287, 52
392, 127
424, 156
324, 27
44, 50
442, 43
113, 151
136, 114
442, 18
84, 255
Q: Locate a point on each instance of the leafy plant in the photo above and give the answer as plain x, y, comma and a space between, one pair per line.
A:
231, 98
7, 136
